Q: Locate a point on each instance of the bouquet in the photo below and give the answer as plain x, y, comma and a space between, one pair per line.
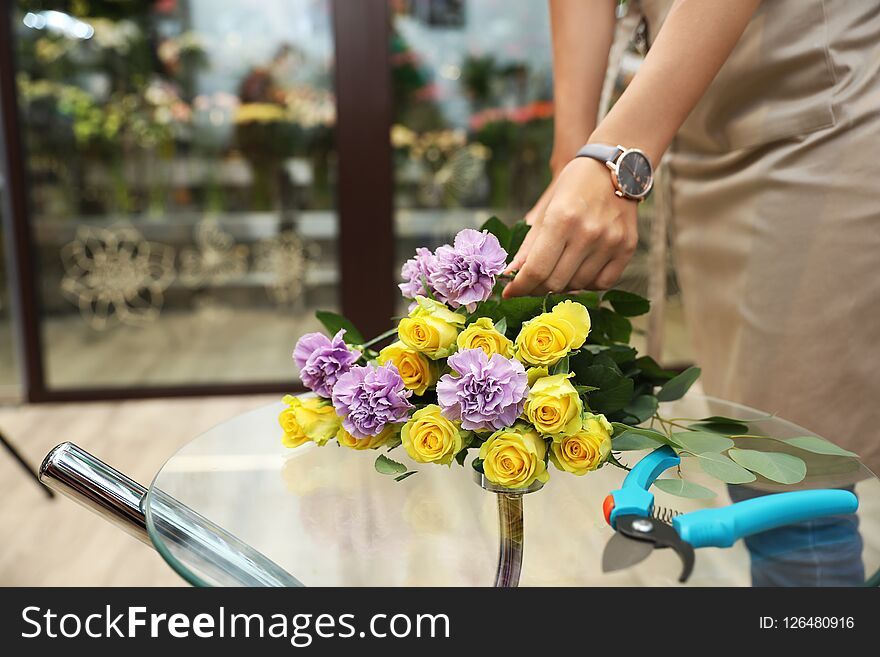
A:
526, 384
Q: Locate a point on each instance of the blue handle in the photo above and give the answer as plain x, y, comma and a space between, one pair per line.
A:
633, 497
722, 527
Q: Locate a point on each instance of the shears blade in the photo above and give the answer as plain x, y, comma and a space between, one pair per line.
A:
623, 552
655, 534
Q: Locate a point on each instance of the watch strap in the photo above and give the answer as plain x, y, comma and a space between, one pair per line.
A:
601, 152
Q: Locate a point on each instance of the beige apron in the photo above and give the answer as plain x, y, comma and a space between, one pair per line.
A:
775, 198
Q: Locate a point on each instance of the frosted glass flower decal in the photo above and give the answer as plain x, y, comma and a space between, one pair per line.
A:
217, 258
115, 276
284, 258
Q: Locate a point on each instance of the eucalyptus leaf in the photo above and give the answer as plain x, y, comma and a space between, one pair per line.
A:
724, 469
697, 442
684, 488
630, 441
627, 303
776, 466
642, 407
387, 466
818, 446
620, 428
725, 428
334, 321
677, 387
405, 475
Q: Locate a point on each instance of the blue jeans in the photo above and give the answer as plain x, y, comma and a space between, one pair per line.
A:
822, 552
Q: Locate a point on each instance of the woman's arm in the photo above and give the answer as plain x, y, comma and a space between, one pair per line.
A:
586, 235
582, 34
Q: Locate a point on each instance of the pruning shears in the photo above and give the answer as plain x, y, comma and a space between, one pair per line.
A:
640, 528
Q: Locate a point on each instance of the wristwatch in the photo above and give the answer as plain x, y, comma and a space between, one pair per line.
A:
631, 172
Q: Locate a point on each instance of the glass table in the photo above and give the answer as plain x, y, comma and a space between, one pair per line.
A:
235, 507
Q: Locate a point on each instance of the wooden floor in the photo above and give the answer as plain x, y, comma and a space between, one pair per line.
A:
55, 542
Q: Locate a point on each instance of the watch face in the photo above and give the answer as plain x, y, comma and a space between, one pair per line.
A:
634, 174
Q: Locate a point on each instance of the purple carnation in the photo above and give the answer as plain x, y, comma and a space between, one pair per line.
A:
416, 272
464, 274
322, 361
367, 398
489, 393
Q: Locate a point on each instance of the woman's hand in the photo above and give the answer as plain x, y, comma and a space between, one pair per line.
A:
582, 235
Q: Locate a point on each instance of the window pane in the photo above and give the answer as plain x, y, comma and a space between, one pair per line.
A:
181, 161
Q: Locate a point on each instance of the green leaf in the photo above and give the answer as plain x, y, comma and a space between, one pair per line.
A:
619, 353
586, 299
627, 303
386, 466
683, 488
652, 371
461, 456
620, 427
334, 321
818, 446
501, 325
723, 469
642, 407
495, 226
518, 233
477, 464
611, 326
776, 466
630, 441
677, 387
394, 442
585, 389
405, 475
697, 442
561, 366
515, 310
614, 390
725, 428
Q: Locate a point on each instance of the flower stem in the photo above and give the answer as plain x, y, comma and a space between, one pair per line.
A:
380, 337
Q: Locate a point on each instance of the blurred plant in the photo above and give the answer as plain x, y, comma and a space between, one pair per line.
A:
447, 166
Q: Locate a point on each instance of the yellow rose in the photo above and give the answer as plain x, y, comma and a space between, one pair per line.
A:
548, 337
429, 437
307, 419
535, 373
344, 438
514, 457
417, 371
482, 335
586, 450
431, 328
554, 407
